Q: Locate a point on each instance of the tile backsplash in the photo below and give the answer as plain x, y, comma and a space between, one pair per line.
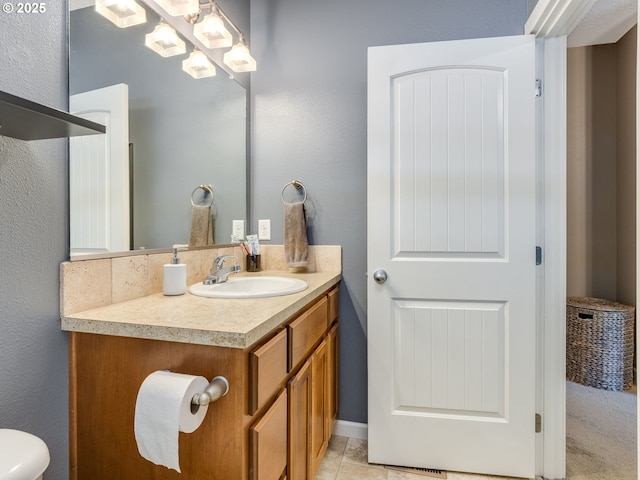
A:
94, 283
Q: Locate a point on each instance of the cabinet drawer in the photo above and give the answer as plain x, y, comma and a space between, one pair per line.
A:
268, 439
305, 331
268, 368
333, 305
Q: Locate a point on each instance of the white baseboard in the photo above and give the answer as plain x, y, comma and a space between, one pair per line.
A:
343, 428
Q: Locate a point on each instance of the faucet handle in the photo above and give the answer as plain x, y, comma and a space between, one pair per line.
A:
219, 262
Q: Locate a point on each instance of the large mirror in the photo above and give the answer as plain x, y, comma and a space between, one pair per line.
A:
183, 133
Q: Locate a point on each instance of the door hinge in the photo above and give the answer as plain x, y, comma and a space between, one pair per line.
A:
538, 255
538, 423
538, 87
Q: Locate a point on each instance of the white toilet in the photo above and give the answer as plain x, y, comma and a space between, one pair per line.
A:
22, 456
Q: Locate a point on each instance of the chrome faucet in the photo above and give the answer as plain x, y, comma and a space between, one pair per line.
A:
219, 274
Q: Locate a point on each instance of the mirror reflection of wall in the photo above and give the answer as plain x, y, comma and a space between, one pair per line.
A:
183, 132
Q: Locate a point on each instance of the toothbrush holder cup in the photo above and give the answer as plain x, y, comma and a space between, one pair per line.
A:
253, 263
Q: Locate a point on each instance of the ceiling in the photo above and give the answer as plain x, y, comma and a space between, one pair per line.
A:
606, 22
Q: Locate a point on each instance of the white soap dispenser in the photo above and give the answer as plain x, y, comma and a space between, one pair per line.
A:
174, 277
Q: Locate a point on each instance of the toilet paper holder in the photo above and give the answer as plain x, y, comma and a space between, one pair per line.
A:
217, 389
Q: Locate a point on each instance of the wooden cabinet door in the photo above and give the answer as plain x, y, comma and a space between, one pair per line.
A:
267, 370
300, 393
268, 439
319, 406
332, 380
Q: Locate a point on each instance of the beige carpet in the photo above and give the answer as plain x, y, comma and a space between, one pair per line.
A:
601, 434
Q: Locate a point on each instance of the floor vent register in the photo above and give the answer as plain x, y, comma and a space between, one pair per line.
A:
425, 472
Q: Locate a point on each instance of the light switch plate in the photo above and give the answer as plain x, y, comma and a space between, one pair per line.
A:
264, 229
238, 229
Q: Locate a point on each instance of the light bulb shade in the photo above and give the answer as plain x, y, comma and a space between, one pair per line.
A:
239, 59
180, 7
164, 41
212, 32
198, 65
123, 13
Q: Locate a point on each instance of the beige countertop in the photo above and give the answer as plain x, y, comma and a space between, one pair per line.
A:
223, 322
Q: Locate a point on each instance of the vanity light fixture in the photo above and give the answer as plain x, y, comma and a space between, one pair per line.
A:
123, 13
211, 31
238, 58
165, 41
198, 65
180, 7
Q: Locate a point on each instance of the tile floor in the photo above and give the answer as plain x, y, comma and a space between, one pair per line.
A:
346, 459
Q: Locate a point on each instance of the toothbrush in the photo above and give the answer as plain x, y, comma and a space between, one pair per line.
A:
254, 246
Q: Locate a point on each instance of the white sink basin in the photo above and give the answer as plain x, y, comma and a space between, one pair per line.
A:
250, 287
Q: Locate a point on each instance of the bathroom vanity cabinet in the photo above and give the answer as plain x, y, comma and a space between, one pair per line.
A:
274, 423
308, 388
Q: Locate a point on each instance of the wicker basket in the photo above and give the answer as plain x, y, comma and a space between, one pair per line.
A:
600, 343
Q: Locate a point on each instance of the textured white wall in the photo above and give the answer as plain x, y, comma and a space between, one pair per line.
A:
33, 238
309, 122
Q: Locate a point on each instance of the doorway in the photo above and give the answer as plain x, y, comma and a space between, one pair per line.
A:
601, 240
551, 21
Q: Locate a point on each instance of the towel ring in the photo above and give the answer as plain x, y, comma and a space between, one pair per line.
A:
207, 189
299, 186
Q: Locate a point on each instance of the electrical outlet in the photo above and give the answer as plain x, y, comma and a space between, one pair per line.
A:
238, 229
264, 229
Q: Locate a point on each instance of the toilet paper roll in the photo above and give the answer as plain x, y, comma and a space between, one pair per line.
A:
163, 408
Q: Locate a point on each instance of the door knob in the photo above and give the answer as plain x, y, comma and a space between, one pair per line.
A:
380, 276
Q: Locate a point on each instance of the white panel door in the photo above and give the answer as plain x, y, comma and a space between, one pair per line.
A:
99, 173
451, 202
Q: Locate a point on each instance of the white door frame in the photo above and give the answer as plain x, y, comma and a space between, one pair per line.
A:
552, 235
553, 21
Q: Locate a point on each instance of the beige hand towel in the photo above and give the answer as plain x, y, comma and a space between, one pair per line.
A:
201, 226
295, 235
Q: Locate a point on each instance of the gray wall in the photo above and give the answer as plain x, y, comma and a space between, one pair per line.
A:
34, 238
309, 123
